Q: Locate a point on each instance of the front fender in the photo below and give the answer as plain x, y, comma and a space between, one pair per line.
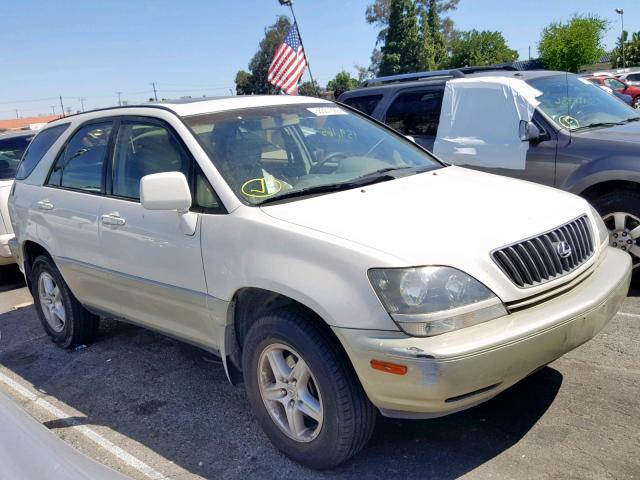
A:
606, 169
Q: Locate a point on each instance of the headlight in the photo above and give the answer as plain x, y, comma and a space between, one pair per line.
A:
427, 301
603, 231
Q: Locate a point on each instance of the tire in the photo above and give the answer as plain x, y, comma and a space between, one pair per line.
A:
636, 102
65, 320
620, 210
347, 417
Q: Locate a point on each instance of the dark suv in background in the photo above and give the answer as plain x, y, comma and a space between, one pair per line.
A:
577, 137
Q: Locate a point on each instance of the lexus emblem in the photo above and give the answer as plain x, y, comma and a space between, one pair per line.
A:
563, 249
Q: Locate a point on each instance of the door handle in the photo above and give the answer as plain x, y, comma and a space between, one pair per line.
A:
112, 218
45, 205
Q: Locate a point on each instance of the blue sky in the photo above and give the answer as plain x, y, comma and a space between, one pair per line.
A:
195, 47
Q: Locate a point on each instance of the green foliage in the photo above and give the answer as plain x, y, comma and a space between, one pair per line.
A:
433, 42
480, 48
397, 22
342, 82
255, 80
401, 50
631, 51
567, 46
310, 89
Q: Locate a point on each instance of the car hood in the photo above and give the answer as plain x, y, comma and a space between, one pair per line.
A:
452, 216
629, 133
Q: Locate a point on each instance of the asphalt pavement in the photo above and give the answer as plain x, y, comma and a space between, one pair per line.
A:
153, 407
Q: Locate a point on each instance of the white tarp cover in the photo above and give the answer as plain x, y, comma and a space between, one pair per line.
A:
480, 119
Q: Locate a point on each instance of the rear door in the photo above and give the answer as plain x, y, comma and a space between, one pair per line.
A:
159, 273
416, 112
68, 209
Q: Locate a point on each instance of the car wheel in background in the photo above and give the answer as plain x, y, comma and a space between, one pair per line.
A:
620, 211
64, 319
303, 390
636, 102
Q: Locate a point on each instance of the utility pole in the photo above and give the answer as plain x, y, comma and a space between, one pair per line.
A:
529, 52
155, 93
61, 106
231, 92
289, 3
53, 109
620, 12
119, 101
17, 116
82, 103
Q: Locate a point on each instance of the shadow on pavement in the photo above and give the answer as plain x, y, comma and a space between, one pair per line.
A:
10, 278
175, 400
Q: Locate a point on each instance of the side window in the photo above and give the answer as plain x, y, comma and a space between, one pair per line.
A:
80, 164
142, 149
416, 113
366, 104
613, 83
37, 149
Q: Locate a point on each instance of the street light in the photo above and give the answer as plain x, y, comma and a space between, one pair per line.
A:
620, 12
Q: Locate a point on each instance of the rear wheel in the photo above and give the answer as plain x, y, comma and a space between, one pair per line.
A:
64, 319
620, 211
303, 390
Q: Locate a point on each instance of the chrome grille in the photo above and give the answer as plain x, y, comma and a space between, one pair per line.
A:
536, 260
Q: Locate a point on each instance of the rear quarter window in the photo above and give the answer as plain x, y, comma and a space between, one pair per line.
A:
38, 147
366, 104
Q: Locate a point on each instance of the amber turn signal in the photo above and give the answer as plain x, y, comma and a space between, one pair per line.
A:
388, 367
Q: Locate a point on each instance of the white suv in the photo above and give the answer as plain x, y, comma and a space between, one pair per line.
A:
336, 267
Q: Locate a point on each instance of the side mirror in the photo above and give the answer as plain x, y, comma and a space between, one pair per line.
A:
165, 191
529, 132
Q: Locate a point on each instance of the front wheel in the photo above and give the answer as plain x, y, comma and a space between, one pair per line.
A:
303, 391
620, 211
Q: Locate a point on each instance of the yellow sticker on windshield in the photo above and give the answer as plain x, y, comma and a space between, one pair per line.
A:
258, 187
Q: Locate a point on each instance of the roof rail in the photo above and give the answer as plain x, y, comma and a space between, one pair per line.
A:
409, 77
453, 73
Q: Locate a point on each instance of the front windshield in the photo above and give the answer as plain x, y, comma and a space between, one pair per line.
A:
576, 103
266, 152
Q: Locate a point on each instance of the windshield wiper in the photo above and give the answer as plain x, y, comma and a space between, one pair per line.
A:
608, 124
331, 187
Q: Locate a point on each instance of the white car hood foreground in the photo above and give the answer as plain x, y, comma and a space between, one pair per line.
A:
452, 216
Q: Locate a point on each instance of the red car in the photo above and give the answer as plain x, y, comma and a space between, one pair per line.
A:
618, 86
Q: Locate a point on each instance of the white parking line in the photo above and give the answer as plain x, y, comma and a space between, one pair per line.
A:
91, 434
625, 314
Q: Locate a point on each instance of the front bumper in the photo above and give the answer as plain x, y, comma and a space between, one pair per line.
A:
450, 372
6, 257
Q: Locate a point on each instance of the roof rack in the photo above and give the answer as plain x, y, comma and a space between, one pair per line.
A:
432, 75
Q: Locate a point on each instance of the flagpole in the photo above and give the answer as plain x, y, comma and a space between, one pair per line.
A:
289, 3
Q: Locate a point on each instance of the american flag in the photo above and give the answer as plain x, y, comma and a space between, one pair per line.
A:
288, 63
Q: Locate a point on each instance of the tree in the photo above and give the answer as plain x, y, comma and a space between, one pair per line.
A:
433, 42
309, 89
631, 51
342, 82
480, 48
401, 50
567, 46
377, 13
255, 80
244, 83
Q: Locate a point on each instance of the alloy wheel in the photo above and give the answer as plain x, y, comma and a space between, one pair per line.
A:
624, 233
290, 392
51, 302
